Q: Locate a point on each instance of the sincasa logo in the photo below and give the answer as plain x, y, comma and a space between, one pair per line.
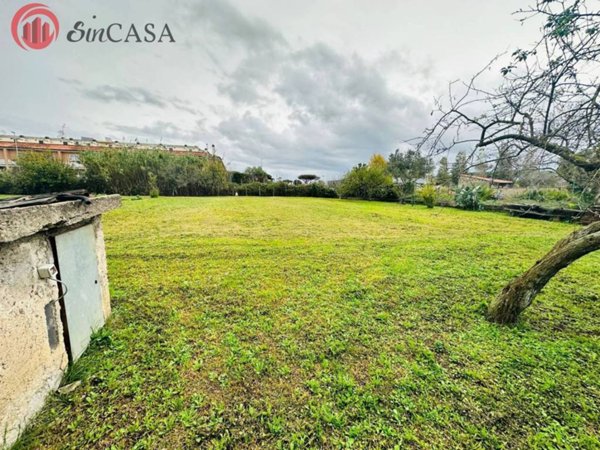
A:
35, 27
118, 32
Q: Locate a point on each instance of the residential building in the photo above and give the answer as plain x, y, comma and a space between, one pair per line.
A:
493, 182
69, 150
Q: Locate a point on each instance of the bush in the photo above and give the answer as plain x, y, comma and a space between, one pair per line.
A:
469, 197
281, 189
368, 183
557, 195
317, 190
429, 194
485, 192
40, 173
138, 172
532, 194
542, 195
152, 181
7, 182
445, 198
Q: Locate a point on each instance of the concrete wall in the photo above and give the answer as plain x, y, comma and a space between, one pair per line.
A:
32, 350
33, 354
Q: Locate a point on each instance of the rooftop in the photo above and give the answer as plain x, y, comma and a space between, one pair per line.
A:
488, 180
65, 143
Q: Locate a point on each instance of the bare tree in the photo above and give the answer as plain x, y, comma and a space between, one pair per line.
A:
548, 101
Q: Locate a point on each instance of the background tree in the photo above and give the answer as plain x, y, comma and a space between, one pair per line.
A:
369, 182
136, 172
459, 167
258, 174
502, 170
586, 184
39, 173
378, 161
503, 167
548, 101
408, 167
529, 171
480, 167
238, 177
213, 177
443, 177
308, 178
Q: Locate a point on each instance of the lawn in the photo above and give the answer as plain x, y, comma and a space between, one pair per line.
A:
307, 323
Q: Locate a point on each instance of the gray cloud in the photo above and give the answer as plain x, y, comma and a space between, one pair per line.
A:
231, 28
339, 110
292, 109
70, 81
136, 96
309, 107
132, 95
315, 86
184, 105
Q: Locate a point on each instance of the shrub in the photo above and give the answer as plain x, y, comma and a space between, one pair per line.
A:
7, 182
557, 195
429, 194
368, 183
39, 173
445, 197
137, 172
533, 194
485, 192
281, 189
542, 195
152, 181
469, 197
589, 197
407, 190
317, 190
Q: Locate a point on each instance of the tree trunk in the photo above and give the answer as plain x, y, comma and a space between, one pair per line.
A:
519, 294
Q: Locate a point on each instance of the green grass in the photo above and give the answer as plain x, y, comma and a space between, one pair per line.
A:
304, 323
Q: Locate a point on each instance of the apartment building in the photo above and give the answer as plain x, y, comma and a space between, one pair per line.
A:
69, 150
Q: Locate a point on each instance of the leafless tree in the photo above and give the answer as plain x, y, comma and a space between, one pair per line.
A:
548, 100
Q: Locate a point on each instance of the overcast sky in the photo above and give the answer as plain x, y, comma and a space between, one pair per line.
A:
297, 86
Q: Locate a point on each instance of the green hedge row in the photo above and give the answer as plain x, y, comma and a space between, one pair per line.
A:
128, 172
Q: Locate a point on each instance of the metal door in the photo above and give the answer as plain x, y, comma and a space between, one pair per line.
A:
76, 252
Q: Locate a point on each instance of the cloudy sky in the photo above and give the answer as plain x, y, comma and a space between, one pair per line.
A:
312, 86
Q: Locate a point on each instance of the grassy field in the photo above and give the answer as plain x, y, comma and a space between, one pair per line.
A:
305, 323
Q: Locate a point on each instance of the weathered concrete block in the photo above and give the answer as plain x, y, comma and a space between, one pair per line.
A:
30, 366
33, 353
22, 222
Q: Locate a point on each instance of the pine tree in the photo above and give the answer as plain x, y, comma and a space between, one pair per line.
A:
443, 176
502, 169
459, 167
